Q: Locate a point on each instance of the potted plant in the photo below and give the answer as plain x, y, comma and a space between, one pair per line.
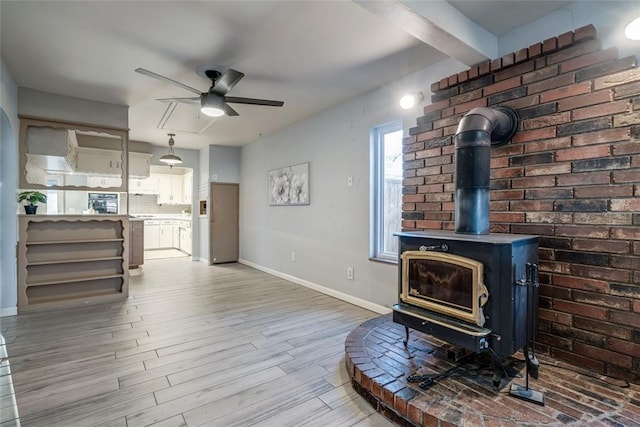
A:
32, 198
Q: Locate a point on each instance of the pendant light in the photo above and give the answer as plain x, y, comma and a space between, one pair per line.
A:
632, 31
170, 158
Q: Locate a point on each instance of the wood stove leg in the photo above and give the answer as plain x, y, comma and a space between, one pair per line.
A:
406, 336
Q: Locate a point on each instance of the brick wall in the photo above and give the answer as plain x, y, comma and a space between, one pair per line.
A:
570, 175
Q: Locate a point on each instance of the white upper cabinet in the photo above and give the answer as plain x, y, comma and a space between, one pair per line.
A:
139, 165
170, 189
96, 161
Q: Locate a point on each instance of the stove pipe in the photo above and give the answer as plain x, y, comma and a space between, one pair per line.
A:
478, 131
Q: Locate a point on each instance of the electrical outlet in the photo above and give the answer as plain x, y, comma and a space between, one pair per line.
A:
350, 273
293, 256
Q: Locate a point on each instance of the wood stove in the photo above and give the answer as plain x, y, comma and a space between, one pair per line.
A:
471, 288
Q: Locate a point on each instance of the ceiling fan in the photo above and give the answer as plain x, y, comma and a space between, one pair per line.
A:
214, 102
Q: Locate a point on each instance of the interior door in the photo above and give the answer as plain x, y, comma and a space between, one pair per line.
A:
224, 223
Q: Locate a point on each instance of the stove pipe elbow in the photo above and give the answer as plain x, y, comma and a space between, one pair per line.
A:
479, 130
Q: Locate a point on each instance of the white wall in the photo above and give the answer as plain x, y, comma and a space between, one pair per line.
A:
608, 17
9, 127
332, 233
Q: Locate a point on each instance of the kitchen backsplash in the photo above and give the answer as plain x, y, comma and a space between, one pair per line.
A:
147, 204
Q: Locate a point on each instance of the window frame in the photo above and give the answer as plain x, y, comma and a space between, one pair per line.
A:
377, 136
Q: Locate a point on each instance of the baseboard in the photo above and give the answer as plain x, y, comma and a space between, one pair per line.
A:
10, 311
202, 260
377, 308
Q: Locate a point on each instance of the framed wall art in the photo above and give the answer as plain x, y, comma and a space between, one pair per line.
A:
289, 186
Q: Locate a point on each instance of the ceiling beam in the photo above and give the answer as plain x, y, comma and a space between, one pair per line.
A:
439, 25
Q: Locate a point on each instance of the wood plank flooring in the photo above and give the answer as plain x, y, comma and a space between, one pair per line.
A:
194, 345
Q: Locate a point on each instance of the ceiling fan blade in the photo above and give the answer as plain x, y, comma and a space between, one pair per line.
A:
253, 101
227, 81
166, 80
230, 111
194, 100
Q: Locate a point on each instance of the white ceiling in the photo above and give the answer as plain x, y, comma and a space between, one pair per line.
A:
310, 54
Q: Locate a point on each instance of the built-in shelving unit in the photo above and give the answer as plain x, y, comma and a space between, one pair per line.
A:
69, 260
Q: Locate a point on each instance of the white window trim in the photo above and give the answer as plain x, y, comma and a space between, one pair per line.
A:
377, 192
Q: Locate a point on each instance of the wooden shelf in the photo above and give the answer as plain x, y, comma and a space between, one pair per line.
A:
66, 242
73, 280
58, 266
68, 261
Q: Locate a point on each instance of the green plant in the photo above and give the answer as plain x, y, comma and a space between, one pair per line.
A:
32, 197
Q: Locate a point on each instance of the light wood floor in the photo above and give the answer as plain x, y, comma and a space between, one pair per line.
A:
193, 345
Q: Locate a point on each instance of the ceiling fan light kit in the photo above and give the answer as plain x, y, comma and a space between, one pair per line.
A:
212, 105
171, 159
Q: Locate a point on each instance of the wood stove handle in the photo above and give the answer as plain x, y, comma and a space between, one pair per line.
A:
442, 247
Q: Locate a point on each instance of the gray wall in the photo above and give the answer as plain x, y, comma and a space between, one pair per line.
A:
332, 233
9, 127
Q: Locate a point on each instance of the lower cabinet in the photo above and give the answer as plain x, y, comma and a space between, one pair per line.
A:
136, 243
168, 233
151, 235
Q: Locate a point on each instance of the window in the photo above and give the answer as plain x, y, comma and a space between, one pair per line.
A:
386, 186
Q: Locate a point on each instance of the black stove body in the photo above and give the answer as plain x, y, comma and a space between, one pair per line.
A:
504, 258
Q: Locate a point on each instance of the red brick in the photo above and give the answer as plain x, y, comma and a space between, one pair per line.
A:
600, 327
626, 119
602, 192
580, 153
592, 232
555, 317
544, 121
463, 108
617, 79
602, 354
551, 83
581, 309
549, 218
565, 92
466, 97
432, 152
549, 45
474, 72
531, 205
625, 347
627, 233
548, 145
601, 110
429, 224
453, 80
507, 172
408, 207
587, 32
436, 106
578, 360
624, 205
603, 273
581, 283
553, 169
602, 136
463, 76
447, 112
608, 246
507, 195
506, 217
509, 72
502, 86
540, 74
589, 59
408, 224
535, 50
625, 318
484, 68
444, 83
533, 181
496, 64
624, 148
602, 300
533, 135
413, 198
425, 136
522, 55
435, 86
585, 178
413, 181
565, 39
585, 100
574, 51
524, 102
508, 60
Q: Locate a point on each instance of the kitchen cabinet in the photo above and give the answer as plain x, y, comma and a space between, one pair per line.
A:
166, 234
103, 181
170, 189
144, 185
97, 161
151, 234
71, 261
139, 165
185, 240
187, 188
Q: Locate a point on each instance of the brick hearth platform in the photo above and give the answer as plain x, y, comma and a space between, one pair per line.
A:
379, 364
